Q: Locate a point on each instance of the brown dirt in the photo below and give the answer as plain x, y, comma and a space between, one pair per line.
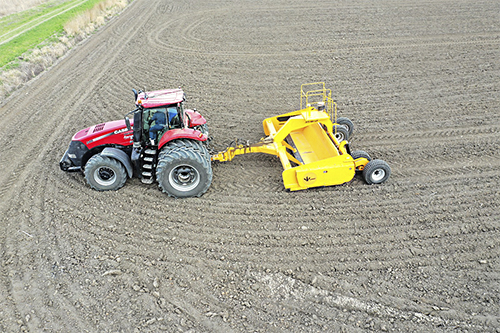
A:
418, 253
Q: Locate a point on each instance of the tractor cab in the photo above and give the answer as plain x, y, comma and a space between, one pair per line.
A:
160, 120
157, 111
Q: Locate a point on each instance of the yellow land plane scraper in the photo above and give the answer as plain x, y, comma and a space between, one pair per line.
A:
313, 149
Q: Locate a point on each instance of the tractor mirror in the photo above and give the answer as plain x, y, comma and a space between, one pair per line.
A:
135, 94
127, 121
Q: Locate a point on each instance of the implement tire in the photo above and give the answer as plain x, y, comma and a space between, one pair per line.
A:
360, 153
183, 170
105, 173
376, 172
341, 133
347, 123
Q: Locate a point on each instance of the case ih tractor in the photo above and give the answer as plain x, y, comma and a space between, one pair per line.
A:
163, 142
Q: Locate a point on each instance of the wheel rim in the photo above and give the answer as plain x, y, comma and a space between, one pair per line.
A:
339, 136
378, 175
104, 176
184, 178
347, 127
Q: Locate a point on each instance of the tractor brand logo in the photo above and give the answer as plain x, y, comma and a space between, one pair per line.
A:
125, 137
106, 135
310, 177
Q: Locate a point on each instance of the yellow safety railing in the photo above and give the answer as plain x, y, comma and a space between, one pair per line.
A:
316, 94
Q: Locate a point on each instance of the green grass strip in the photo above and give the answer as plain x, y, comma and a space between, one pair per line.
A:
11, 24
53, 26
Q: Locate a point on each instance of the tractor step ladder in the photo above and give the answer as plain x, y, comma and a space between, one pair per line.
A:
148, 161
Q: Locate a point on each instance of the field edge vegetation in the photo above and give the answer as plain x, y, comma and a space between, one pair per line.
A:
41, 56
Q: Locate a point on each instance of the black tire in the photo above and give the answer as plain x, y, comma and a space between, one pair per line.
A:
360, 153
183, 173
347, 123
105, 173
376, 172
340, 133
182, 144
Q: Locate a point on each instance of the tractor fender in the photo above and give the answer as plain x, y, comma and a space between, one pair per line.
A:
121, 156
195, 118
181, 133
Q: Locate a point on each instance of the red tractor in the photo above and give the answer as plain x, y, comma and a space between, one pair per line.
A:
163, 142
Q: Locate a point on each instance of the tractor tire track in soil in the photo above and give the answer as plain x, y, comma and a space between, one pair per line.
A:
417, 253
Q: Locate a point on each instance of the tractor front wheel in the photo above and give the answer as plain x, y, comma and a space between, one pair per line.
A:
376, 172
183, 173
105, 173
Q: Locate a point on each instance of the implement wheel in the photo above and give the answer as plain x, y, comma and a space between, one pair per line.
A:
360, 153
376, 172
347, 123
105, 173
341, 133
183, 173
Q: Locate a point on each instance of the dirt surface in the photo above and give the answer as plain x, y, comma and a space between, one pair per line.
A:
420, 80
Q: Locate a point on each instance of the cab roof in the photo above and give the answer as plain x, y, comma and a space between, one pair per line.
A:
152, 99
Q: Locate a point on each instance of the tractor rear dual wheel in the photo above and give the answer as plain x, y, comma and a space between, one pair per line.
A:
182, 144
184, 170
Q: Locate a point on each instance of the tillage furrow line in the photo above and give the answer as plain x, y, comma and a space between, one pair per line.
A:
348, 238
404, 136
494, 39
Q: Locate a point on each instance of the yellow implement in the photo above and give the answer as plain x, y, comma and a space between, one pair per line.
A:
306, 143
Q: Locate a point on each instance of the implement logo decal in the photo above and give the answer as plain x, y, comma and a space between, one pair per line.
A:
310, 177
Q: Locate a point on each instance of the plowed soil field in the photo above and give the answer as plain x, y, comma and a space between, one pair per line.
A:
421, 252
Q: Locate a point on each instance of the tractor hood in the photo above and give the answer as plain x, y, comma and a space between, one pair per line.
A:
113, 132
153, 99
